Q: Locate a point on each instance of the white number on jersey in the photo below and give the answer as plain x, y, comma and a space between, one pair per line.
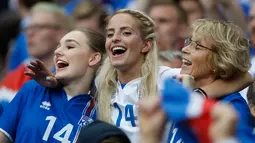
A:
65, 130
175, 130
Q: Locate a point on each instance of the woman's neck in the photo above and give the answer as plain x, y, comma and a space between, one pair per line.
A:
130, 74
203, 81
79, 86
125, 77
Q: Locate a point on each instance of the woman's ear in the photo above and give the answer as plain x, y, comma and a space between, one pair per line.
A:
94, 59
252, 109
147, 46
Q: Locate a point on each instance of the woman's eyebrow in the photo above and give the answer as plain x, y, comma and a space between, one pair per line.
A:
127, 27
71, 40
121, 28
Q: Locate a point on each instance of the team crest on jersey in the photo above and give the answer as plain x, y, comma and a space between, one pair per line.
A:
85, 120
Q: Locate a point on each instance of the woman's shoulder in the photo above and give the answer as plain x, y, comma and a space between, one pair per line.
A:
234, 97
237, 101
33, 86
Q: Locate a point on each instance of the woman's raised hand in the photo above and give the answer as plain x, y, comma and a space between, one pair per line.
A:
39, 72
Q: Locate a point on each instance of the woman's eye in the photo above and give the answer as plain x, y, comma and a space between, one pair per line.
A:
197, 47
126, 33
109, 35
70, 47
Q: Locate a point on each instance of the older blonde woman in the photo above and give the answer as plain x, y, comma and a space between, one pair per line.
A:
217, 50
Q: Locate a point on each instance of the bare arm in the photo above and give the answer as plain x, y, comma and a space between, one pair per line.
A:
3, 138
222, 87
223, 127
152, 120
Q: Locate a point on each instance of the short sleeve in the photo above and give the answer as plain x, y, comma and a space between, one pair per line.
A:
11, 114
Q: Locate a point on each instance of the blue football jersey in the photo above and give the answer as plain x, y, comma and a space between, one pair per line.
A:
181, 133
245, 123
38, 114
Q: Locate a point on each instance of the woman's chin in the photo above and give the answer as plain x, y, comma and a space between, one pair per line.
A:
59, 76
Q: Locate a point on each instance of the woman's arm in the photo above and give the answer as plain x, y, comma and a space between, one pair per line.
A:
3, 138
220, 87
152, 120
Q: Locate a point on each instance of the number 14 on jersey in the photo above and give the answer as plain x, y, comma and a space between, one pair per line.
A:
128, 114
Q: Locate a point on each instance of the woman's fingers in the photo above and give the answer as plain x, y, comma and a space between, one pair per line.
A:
41, 65
31, 67
30, 73
34, 64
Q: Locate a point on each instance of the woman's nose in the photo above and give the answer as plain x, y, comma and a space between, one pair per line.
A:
116, 38
186, 49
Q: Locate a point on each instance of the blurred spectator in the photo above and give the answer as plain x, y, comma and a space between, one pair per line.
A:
251, 23
193, 8
251, 29
48, 25
171, 22
246, 5
89, 14
110, 5
114, 5
19, 51
229, 10
251, 102
170, 58
69, 5
102, 132
9, 27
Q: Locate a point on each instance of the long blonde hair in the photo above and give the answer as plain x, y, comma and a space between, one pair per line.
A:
107, 77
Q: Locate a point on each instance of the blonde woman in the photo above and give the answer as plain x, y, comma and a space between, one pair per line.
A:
217, 50
131, 71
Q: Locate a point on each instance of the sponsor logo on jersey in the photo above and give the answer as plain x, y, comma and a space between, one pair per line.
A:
45, 105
